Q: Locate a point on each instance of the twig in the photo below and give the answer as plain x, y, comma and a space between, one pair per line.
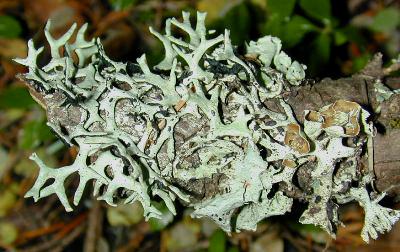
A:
392, 68
327, 245
72, 225
42, 231
94, 227
301, 244
47, 246
136, 238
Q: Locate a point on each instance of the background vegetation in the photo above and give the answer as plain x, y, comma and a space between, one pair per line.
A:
333, 38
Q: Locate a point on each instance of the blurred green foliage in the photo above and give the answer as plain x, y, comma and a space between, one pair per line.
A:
386, 20
320, 33
9, 27
217, 241
122, 4
16, 97
17, 103
323, 34
34, 133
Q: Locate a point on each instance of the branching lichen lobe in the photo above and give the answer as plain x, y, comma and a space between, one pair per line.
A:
201, 115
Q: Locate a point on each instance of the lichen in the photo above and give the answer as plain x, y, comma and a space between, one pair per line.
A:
200, 114
383, 93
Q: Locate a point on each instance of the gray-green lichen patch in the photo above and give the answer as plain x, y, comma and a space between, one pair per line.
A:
197, 129
383, 93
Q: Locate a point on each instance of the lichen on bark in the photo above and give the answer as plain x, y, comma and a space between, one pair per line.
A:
198, 128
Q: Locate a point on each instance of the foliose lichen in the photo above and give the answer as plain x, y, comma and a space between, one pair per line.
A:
201, 113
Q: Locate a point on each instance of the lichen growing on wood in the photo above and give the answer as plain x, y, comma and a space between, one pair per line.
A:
201, 114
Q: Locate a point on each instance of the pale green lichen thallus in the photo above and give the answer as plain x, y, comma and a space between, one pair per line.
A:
132, 125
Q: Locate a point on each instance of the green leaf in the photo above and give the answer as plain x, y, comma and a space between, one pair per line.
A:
16, 97
233, 249
316, 233
386, 20
296, 29
340, 37
121, 4
237, 18
4, 159
9, 27
282, 8
354, 35
34, 133
12, 114
216, 9
360, 62
322, 47
7, 202
239, 21
217, 241
8, 233
262, 4
274, 26
319, 9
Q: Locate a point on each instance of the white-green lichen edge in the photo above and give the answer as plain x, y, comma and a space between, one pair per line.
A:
129, 115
